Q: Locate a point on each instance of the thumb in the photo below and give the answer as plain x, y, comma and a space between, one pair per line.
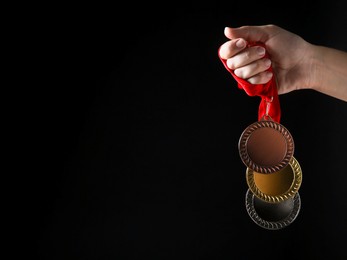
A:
250, 33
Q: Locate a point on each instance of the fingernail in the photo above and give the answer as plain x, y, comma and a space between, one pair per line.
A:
268, 74
267, 63
261, 51
240, 43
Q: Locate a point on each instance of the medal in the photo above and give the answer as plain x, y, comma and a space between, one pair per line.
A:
278, 186
266, 146
272, 216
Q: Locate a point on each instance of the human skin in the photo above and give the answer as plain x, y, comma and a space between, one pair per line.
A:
296, 63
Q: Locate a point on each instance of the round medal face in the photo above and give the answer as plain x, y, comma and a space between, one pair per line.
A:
272, 216
266, 146
278, 186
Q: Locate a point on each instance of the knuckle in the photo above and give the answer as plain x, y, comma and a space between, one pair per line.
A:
247, 55
225, 50
253, 80
241, 73
232, 63
257, 65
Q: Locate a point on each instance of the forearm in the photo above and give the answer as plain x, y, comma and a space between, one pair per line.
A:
330, 74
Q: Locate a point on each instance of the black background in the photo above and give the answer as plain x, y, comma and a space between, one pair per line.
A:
137, 123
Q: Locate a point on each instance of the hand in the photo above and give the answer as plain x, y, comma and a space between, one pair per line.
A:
288, 56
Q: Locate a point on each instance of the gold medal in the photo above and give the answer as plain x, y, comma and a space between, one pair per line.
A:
278, 186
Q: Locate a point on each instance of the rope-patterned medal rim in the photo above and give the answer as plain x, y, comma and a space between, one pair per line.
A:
293, 189
272, 225
243, 146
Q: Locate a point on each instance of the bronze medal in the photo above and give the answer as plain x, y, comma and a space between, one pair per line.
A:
278, 186
266, 146
272, 216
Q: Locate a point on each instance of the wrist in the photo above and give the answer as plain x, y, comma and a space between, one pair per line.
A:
315, 67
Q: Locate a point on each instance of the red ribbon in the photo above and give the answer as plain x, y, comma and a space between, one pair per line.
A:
269, 105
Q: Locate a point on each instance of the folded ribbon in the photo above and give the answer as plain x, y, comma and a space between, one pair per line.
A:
269, 105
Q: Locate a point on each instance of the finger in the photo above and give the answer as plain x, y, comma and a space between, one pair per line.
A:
253, 68
246, 57
261, 78
231, 48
